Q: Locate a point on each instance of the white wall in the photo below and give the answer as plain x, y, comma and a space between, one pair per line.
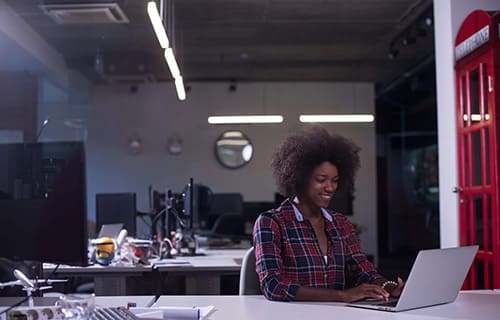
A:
153, 114
448, 16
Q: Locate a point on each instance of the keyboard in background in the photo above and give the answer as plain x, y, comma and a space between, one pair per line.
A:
113, 313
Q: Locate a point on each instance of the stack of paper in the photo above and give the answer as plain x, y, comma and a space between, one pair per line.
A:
174, 313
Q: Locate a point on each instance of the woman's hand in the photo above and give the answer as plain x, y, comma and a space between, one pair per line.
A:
365, 290
396, 292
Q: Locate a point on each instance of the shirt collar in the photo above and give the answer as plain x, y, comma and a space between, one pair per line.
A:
300, 217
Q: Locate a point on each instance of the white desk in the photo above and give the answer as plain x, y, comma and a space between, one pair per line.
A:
114, 301
467, 306
104, 301
108, 280
202, 273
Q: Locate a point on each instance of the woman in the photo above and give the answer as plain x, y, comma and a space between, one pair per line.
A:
303, 250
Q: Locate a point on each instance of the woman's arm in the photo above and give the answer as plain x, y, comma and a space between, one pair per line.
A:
267, 242
360, 269
362, 291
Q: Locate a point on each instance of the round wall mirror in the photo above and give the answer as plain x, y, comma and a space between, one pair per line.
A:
233, 149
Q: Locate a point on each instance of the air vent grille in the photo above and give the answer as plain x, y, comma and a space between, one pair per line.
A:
88, 13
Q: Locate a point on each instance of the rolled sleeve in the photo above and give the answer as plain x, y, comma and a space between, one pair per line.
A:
267, 242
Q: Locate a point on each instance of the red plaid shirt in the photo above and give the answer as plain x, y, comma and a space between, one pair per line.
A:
288, 254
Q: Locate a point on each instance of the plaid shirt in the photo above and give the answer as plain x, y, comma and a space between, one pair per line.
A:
288, 255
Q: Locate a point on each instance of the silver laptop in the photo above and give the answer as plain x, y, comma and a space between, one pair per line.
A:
435, 278
111, 230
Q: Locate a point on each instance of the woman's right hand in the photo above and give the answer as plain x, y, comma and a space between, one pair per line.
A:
363, 291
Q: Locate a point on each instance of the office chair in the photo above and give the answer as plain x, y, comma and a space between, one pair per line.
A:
249, 280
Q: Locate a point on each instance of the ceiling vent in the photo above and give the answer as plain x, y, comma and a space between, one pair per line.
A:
88, 13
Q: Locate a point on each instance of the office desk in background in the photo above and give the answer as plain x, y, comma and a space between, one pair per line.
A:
202, 274
471, 306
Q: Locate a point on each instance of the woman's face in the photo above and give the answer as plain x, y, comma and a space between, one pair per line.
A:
322, 184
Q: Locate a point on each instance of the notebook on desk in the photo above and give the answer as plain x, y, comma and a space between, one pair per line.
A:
435, 278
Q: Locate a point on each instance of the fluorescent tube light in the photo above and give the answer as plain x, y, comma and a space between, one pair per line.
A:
179, 87
158, 27
326, 118
172, 63
476, 117
245, 119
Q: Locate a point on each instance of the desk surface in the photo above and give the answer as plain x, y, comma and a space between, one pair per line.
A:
212, 260
202, 274
467, 306
104, 301
483, 305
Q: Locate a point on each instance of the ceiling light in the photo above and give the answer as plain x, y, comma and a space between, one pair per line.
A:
327, 118
476, 117
161, 34
158, 27
172, 64
245, 119
179, 87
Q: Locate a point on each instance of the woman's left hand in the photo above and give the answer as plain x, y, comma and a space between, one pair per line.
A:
396, 292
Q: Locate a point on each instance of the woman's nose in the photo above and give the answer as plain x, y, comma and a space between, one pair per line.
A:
329, 187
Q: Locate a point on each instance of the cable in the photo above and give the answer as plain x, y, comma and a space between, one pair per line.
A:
53, 272
145, 221
158, 215
178, 217
15, 305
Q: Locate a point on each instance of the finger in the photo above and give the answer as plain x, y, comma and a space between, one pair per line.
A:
381, 293
401, 283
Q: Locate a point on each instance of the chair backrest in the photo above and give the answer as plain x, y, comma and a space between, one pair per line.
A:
249, 280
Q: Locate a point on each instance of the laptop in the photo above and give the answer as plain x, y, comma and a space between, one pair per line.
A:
435, 278
111, 230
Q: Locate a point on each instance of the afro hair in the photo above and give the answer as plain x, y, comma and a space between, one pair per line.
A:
295, 159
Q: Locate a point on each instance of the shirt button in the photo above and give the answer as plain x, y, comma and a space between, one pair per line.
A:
326, 275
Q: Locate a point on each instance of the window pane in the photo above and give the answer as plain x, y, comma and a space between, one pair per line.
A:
466, 160
478, 221
474, 96
466, 207
487, 154
489, 215
463, 102
485, 95
476, 158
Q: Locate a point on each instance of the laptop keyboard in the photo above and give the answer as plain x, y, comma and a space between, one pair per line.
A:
390, 303
113, 313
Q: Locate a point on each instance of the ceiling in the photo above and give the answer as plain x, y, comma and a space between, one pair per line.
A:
248, 40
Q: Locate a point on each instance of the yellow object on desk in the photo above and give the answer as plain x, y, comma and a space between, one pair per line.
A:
104, 250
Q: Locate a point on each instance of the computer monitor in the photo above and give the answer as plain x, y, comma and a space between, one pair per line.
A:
223, 204
116, 208
197, 202
43, 214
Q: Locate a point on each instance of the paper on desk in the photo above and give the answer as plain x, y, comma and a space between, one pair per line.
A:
174, 313
164, 263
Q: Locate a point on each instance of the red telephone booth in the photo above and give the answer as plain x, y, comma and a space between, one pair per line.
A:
477, 63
